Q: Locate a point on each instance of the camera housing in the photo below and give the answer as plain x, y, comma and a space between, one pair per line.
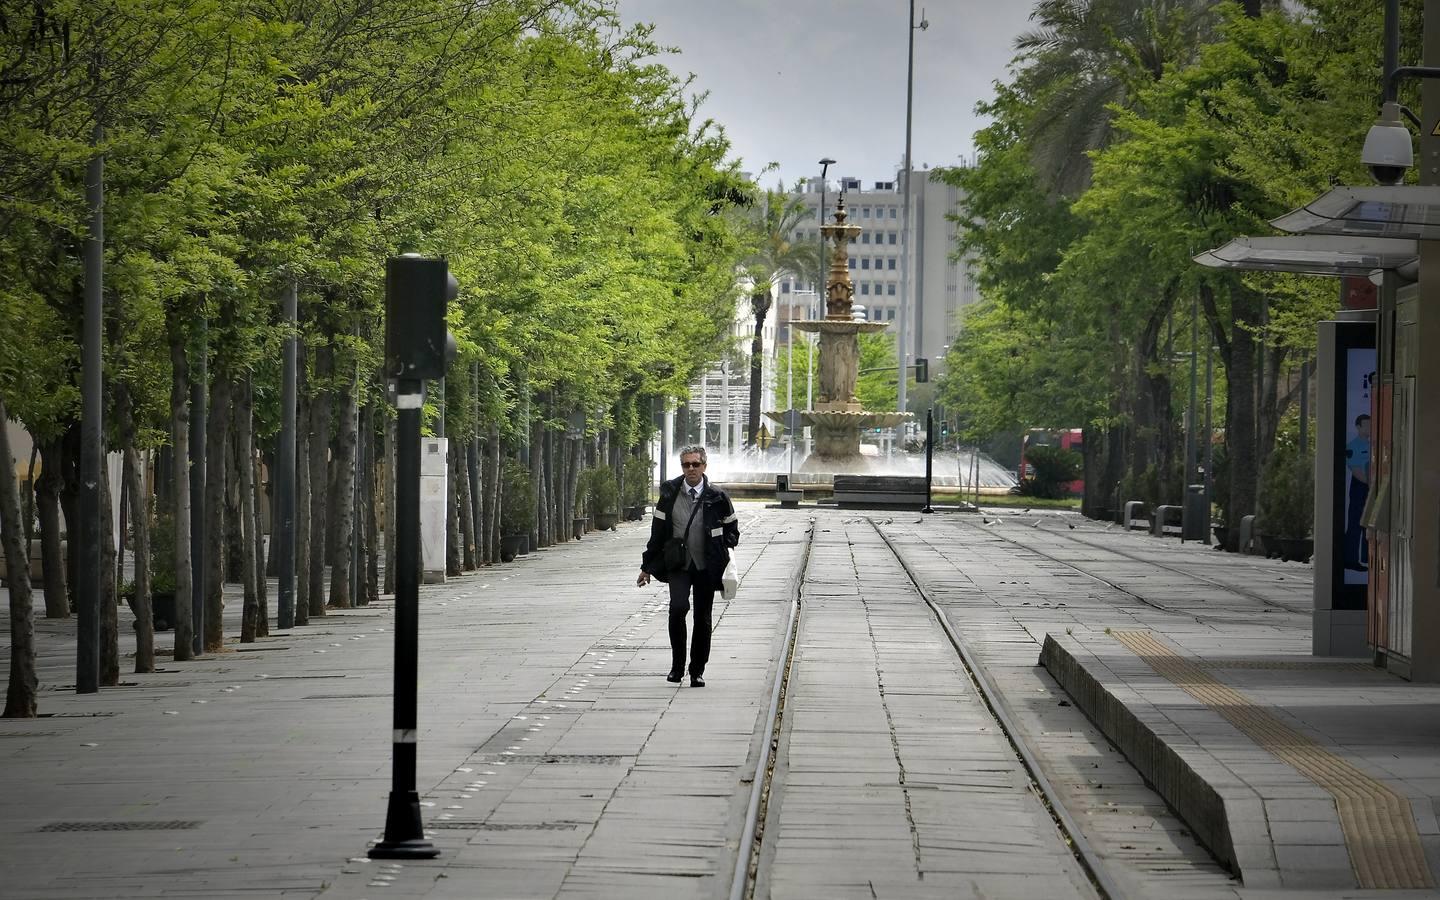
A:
1389, 149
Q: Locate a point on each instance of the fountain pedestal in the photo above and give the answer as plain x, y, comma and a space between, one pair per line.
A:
838, 418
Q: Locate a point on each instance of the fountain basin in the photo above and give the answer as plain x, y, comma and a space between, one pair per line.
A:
838, 326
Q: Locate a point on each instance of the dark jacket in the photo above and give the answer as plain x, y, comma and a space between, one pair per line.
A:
721, 525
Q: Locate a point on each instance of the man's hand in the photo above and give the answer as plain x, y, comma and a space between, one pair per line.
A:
643, 580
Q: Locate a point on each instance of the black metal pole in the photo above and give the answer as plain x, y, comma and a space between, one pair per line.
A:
404, 833
929, 456
1391, 88
87, 650
1209, 432
284, 498
199, 379
1305, 408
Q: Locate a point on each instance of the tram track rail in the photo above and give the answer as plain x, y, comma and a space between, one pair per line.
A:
746, 875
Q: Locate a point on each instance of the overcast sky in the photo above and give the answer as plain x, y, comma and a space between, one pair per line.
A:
796, 80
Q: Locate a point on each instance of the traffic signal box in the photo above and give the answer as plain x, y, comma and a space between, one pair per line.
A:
922, 370
417, 291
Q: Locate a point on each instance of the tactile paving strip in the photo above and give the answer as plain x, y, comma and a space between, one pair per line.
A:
1378, 824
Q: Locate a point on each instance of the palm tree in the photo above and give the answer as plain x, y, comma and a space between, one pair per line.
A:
775, 253
1085, 57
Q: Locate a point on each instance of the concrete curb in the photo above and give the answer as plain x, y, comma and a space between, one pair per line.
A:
1225, 814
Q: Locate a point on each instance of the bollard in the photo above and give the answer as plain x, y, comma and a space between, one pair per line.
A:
1135, 516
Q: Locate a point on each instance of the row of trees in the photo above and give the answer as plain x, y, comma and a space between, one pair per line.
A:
254, 149
1132, 135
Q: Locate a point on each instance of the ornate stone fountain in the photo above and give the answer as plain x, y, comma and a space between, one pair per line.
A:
838, 417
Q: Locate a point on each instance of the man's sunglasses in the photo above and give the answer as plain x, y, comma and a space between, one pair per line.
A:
694, 465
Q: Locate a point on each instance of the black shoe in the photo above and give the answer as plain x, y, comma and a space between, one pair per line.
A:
697, 681
674, 676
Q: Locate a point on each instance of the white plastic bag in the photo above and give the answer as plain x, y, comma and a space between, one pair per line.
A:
729, 581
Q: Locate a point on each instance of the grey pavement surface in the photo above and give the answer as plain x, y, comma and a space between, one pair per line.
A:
555, 761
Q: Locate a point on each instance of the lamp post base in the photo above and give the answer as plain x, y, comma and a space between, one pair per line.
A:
404, 835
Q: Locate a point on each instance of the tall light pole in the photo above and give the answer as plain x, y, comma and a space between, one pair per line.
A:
905, 213
825, 164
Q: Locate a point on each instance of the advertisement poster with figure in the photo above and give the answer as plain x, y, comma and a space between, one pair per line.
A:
1360, 375
1355, 384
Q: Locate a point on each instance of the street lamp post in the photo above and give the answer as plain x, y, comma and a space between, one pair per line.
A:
905, 213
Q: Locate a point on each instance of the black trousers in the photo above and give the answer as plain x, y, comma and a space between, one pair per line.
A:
681, 586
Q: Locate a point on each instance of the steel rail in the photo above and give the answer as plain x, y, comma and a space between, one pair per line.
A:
742, 882
999, 709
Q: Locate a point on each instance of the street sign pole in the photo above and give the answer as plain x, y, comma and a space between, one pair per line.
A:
417, 348
929, 456
404, 833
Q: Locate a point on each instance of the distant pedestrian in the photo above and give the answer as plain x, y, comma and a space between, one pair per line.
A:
691, 534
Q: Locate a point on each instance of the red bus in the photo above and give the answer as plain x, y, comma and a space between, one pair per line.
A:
1065, 438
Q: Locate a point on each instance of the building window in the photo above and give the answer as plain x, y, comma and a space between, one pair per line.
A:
892, 212
892, 262
865, 288
785, 287
892, 237
865, 238
890, 289
852, 262
864, 262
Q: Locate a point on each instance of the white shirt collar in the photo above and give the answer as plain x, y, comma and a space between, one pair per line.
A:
698, 489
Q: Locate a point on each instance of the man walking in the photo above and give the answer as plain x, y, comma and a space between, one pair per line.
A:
691, 534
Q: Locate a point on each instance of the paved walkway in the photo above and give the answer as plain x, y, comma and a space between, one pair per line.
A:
555, 761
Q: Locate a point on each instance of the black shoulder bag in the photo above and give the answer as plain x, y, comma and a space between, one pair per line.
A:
675, 556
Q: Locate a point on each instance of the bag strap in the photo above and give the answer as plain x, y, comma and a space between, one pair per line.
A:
694, 508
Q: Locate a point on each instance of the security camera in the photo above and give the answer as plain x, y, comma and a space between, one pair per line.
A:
1389, 150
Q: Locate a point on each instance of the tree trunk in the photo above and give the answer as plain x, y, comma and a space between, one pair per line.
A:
342, 498
536, 471
369, 509
22, 693
320, 407
140, 516
1240, 437
760, 305
217, 432
52, 554
250, 563
477, 499
492, 484
266, 463
109, 591
390, 427
452, 513
262, 587
180, 440
70, 507
302, 491
461, 455
236, 528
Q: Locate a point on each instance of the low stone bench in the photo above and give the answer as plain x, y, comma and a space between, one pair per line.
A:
880, 491
1168, 521
37, 568
1135, 516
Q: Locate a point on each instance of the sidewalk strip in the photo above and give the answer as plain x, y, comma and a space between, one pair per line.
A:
1379, 827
